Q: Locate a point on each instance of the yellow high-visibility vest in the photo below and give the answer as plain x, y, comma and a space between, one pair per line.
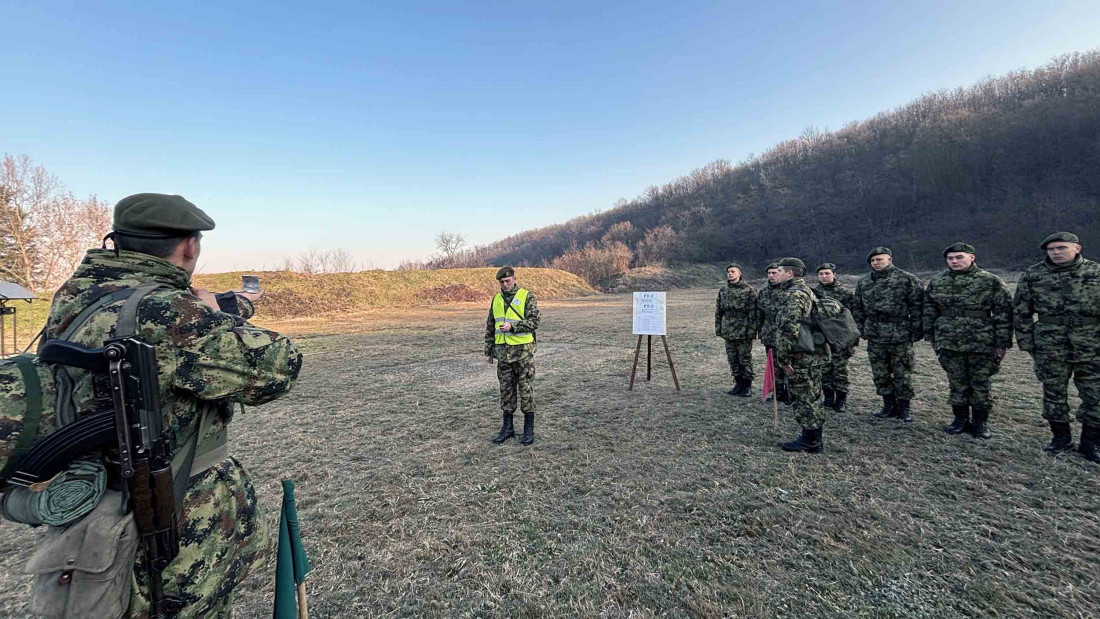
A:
511, 314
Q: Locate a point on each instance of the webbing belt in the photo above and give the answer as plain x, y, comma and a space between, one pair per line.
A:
1069, 321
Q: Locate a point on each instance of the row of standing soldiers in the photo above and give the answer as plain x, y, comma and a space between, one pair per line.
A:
966, 313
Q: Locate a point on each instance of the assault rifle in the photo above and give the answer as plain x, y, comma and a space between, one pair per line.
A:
133, 427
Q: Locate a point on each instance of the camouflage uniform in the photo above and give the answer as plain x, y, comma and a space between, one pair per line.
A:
836, 373
887, 307
515, 364
768, 302
967, 317
804, 385
1064, 341
735, 321
207, 361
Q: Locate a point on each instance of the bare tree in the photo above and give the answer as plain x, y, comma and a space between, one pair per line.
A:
449, 245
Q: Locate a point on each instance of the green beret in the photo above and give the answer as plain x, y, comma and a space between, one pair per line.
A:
772, 265
159, 216
826, 266
878, 251
966, 248
1063, 237
506, 272
792, 263
734, 265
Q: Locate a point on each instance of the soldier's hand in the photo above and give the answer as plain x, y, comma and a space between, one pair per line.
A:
489, 359
506, 326
788, 369
251, 296
206, 297
1001, 352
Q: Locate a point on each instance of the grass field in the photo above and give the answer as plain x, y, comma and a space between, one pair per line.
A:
645, 503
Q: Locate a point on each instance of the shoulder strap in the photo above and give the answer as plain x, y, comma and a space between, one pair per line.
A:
127, 315
83, 316
31, 418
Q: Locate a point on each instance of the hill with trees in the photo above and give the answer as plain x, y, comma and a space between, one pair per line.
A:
1000, 164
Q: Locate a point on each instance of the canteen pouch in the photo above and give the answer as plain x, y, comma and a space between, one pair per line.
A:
85, 571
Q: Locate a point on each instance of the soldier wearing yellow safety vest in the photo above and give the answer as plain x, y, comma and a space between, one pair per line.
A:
510, 341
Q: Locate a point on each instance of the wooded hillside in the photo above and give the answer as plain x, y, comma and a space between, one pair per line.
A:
1000, 164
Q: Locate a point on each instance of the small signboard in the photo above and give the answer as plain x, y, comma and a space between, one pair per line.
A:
649, 313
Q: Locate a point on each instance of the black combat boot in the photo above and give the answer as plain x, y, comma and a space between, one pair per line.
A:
830, 396
506, 430
978, 428
962, 419
746, 388
809, 442
1062, 437
903, 411
889, 407
528, 428
738, 386
840, 405
1090, 443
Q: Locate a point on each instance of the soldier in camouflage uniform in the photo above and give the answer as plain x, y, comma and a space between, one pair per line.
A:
802, 369
968, 322
834, 383
510, 341
210, 359
735, 322
1064, 342
887, 306
768, 301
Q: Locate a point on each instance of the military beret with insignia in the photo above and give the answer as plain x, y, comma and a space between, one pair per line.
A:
772, 265
159, 216
1060, 237
878, 251
792, 263
826, 266
505, 272
966, 248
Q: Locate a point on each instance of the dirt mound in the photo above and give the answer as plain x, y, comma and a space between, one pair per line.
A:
456, 292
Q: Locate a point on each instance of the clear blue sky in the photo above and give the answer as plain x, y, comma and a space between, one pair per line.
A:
374, 126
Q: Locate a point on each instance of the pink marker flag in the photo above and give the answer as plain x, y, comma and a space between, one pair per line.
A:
769, 378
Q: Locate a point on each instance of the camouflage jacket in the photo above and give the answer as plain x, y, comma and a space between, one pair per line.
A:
887, 305
735, 312
767, 303
1065, 294
791, 312
530, 323
835, 291
205, 357
968, 311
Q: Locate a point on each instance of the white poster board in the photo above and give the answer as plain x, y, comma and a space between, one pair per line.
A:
649, 313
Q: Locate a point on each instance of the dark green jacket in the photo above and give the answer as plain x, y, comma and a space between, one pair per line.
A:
735, 312
1049, 294
767, 303
887, 305
835, 291
968, 311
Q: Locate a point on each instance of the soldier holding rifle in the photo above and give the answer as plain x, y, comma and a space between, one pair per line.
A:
208, 359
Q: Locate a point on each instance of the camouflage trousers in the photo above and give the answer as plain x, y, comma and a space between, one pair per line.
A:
739, 354
891, 367
835, 376
1055, 376
804, 386
517, 382
970, 377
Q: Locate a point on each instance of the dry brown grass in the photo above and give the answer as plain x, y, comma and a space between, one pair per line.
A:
645, 503
289, 295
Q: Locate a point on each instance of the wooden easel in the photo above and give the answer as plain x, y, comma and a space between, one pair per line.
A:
649, 360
